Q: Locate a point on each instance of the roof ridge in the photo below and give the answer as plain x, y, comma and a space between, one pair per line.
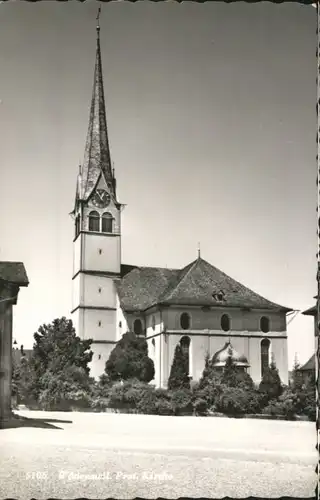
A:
153, 267
181, 278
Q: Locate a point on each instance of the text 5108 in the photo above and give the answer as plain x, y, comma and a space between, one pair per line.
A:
38, 475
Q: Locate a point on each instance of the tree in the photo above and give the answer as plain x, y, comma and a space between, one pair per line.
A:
206, 371
24, 380
296, 377
270, 385
129, 360
69, 387
236, 377
179, 373
57, 347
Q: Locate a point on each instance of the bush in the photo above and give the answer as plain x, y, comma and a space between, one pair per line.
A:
270, 385
181, 402
310, 412
70, 388
200, 406
209, 393
255, 401
147, 403
130, 395
99, 403
232, 401
163, 406
280, 408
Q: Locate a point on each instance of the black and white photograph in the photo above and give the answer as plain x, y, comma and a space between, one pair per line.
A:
158, 250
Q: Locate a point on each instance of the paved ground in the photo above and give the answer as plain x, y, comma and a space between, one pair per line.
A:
123, 456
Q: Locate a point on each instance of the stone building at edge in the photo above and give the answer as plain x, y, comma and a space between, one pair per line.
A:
197, 304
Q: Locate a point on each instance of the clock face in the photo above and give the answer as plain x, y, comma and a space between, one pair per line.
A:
101, 198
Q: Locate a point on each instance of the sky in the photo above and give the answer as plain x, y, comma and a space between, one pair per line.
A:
211, 112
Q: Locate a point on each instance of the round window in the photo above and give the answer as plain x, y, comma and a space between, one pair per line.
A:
137, 327
185, 321
225, 322
264, 324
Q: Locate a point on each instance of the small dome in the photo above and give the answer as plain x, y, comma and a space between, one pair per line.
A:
228, 351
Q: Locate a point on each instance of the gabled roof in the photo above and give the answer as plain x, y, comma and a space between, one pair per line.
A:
13, 272
197, 284
312, 311
309, 365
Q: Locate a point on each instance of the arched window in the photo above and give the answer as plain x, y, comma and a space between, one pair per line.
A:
264, 324
107, 222
185, 321
94, 221
185, 347
265, 347
225, 322
137, 327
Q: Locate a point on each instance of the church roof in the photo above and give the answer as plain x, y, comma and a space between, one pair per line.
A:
97, 158
312, 311
13, 272
228, 351
310, 364
197, 284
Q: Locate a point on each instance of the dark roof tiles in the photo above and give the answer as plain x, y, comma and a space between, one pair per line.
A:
312, 311
197, 284
97, 152
13, 272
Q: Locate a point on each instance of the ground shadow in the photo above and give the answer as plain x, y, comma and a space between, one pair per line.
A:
17, 421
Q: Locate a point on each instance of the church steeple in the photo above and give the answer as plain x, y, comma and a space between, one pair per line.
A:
97, 158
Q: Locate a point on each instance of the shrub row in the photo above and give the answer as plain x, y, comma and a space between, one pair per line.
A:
134, 396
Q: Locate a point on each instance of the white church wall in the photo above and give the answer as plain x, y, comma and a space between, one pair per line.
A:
99, 324
251, 320
154, 323
76, 291
165, 357
250, 347
75, 317
240, 320
157, 359
77, 255
98, 291
154, 354
101, 253
198, 348
121, 320
101, 353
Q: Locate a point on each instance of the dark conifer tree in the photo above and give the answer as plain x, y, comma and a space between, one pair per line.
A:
179, 373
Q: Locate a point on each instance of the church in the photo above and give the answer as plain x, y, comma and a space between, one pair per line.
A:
197, 305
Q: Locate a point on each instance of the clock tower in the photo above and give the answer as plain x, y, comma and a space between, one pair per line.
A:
97, 237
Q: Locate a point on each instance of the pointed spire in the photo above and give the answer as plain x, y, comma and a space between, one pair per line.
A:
97, 152
199, 250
